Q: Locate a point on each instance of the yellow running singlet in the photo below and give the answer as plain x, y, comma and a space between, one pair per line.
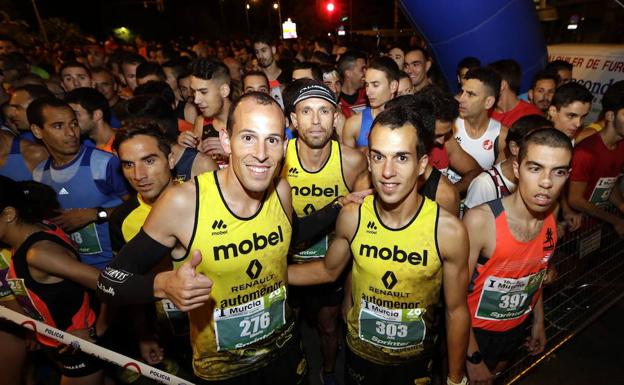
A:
247, 319
397, 274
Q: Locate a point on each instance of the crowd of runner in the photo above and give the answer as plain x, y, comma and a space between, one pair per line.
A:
192, 205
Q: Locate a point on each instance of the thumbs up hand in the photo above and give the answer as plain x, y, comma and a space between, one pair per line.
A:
185, 287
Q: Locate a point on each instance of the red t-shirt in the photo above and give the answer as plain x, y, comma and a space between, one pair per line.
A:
438, 157
521, 109
598, 166
349, 109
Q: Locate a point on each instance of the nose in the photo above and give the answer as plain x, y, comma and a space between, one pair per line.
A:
316, 119
139, 172
196, 98
75, 82
388, 169
460, 97
260, 151
546, 180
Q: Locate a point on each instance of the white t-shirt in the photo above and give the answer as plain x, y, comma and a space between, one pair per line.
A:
481, 149
483, 189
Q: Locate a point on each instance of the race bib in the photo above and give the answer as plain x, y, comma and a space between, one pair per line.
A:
87, 240
317, 250
508, 298
239, 326
391, 328
170, 315
602, 191
5, 289
18, 287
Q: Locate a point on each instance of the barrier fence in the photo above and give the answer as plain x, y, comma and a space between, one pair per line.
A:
589, 264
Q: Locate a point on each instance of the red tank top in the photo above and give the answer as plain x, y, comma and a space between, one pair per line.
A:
350, 109
505, 287
438, 157
64, 305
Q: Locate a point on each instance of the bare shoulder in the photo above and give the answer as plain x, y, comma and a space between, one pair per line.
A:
477, 217
447, 196
449, 226
176, 198
348, 221
283, 191
354, 160
203, 163
34, 151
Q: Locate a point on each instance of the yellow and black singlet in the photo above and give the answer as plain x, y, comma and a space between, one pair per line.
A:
397, 275
312, 191
125, 223
247, 319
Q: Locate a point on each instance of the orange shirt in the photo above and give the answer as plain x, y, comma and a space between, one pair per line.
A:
108, 146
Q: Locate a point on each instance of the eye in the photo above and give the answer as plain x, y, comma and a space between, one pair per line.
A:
534, 169
376, 157
150, 161
561, 173
126, 165
247, 138
273, 140
402, 158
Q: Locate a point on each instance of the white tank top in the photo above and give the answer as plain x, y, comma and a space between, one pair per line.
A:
481, 149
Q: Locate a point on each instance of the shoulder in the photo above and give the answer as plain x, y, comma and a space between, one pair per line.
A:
45, 250
352, 157
282, 187
449, 226
447, 195
177, 197
476, 218
203, 163
354, 121
348, 221
33, 150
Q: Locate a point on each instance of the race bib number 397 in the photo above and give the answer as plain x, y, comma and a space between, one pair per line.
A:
391, 328
239, 326
508, 298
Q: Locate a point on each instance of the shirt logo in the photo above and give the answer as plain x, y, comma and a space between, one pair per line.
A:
487, 144
549, 243
371, 228
63, 191
389, 280
293, 172
219, 227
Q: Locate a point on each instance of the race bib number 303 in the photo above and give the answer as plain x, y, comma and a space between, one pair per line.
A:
508, 298
391, 328
239, 326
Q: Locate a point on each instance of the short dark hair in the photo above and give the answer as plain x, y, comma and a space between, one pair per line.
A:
155, 87
178, 66
143, 126
258, 97
402, 115
612, 98
469, 62
490, 79
264, 38
256, 73
35, 91
132, 58
347, 61
33, 201
91, 100
152, 107
208, 69
387, 66
149, 68
440, 104
558, 65
550, 137
509, 70
423, 50
314, 68
73, 64
544, 75
521, 127
34, 113
101, 70
570, 93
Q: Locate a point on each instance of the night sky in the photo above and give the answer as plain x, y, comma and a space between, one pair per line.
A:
202, 18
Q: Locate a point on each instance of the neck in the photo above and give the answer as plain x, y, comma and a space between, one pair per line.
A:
377, 110
272, 71
507, 169
423, 84
313, 159
399, 214
516, 206
350, 88
18, 233
507, 102
609, 136
220, 120
241, 201
102, 134
59, 160
150, 201
478, 124
113, 101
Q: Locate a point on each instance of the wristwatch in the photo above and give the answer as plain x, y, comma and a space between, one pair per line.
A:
475, 358
102, 215
464, 381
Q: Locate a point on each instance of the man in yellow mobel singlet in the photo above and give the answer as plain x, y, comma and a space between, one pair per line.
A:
319, 170
404, 247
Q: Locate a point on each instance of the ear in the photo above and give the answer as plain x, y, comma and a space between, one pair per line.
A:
286, 144
36, 130
394, 87
489, 102
427, 65
335, 121
504, 85
98, 115
9, 214
514, 149
224, 138
530, 95
171, 160
368, 161
552, 111
273, 50
224, 90
516, 169
293, 119
422, 164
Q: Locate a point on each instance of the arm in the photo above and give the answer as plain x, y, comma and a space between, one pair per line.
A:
329, 268
537, 341
480, 224
203, 163
463, 163
481, 190
616, 197
447, 196
455, 278
578, 202
502, 145
351, 130
190, 112
355, 168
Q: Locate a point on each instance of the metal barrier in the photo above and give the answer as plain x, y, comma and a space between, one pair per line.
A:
590, 265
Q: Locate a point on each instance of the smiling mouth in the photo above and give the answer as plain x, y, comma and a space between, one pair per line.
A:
258, 170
